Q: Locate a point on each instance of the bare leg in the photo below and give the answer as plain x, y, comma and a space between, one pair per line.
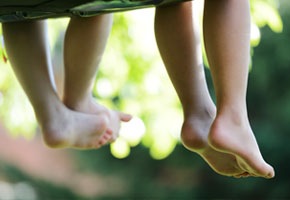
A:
179, 43
227, 42
30, 58
85, 42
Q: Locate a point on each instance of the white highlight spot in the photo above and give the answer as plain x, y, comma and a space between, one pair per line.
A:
255, 32
133, 131
104, 87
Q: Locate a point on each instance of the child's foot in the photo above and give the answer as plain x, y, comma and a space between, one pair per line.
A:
71, 129
194, 136
92, 107
231, 133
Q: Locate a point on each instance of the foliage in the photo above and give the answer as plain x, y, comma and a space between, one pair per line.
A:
183, 174
131, 78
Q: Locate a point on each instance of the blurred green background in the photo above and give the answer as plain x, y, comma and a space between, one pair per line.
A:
148, 160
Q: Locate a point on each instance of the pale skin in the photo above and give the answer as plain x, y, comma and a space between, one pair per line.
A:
219, 137
227, 43
224, 152
62, 126
222, 137
84, 45
187, 74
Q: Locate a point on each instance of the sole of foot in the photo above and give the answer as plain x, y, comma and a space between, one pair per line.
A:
233, 136
194, 136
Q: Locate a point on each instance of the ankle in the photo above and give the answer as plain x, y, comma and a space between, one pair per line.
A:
192, 136
238, 106
50, 113
196, 126
53, 136
76, 103
235, 115
53, 128
205, 112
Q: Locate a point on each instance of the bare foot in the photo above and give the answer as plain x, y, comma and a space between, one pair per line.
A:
71, 129
90, 106
231, 133
194, 136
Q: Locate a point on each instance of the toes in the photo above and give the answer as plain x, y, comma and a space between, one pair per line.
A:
107, 136
271, 174
109, 132
113, 139
254, 175
238, 176
245, 174
102, 141
124, 117
266, 172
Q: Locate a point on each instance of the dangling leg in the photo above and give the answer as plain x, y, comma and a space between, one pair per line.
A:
179, 43
85, 42
227, 42
30, 59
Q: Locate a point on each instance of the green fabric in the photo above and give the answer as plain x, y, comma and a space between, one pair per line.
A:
17, 10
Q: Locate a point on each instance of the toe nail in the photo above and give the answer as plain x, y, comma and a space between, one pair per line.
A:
106, 137
270, 175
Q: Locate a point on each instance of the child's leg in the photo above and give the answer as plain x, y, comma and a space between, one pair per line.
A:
179, 43
28, 52
85, 42
227, 41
